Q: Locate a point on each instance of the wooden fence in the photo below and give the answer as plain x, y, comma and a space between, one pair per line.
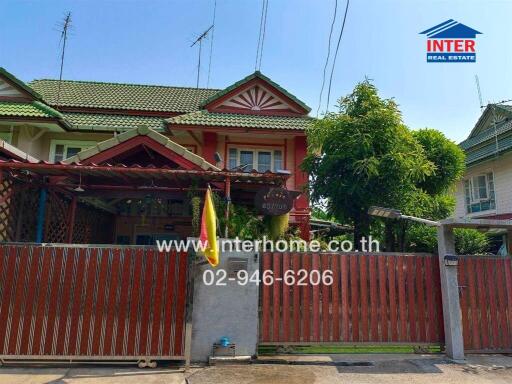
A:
486, 303
373, 298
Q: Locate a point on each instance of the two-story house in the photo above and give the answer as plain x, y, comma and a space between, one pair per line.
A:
486, 189
85, 161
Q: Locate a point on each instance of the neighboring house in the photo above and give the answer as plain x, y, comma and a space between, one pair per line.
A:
239, 139
486, 189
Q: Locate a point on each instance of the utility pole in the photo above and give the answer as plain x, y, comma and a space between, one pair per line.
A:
200, 41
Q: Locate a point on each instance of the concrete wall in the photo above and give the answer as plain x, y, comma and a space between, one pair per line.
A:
230, 310
501, 167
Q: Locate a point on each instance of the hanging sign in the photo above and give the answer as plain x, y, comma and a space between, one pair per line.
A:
273, 201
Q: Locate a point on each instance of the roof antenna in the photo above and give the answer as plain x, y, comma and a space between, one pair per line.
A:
65, 27
200, 41
211, 44
477, 81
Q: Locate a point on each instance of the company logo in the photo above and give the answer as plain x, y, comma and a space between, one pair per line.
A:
451, 42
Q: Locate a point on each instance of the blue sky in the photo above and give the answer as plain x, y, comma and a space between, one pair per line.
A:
149, 42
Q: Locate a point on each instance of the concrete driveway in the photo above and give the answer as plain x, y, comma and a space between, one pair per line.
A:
409, 369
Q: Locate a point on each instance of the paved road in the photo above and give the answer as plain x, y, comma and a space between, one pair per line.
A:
402, 369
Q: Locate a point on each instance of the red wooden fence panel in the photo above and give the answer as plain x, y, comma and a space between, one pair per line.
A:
95, 302
486, 303
377, 298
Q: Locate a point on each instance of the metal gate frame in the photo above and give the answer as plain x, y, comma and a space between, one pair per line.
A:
21, 275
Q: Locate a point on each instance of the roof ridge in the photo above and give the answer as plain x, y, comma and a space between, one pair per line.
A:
128, 84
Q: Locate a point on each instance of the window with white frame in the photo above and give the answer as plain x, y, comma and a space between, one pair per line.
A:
63, 149
479, 193
262, 160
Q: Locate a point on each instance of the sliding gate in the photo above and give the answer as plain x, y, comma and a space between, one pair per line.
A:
91, 303
486, 303
371, 298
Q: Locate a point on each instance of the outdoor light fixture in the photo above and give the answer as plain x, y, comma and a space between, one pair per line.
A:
79, 188
218, 158
389, 213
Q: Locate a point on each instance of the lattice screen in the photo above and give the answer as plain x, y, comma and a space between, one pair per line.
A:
92, 226
57, 210
18, 209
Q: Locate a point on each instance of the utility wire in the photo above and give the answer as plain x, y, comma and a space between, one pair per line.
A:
336, 54
328, 56
259, 35
263, 35
211, 45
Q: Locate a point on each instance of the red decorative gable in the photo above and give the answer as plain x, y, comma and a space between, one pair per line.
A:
256, 99
256, 95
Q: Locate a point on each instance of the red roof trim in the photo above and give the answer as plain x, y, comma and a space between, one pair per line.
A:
137, 141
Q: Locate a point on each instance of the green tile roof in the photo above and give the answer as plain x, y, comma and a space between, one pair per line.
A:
501, 128
90, 94
242, 120
110, 122
33, 109
256, 74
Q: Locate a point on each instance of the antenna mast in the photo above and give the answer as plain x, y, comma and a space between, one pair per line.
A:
200, 41
479, 92
66, 25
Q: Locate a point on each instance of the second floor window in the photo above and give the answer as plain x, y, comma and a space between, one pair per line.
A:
63, 149
261, 160
479, 193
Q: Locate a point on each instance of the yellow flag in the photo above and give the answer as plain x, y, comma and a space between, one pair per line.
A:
209, 230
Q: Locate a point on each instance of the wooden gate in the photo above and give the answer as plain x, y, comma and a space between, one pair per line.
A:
486, 303
95, 303
373, 298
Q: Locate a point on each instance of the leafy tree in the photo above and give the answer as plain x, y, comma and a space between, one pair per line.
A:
363, 155
467, 241
447, 157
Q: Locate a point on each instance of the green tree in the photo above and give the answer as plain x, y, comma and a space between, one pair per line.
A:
433, 197
363, 155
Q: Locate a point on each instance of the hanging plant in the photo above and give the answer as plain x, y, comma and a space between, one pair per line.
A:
278, 226
195, 203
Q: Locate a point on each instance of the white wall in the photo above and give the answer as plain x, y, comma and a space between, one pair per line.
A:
502, 170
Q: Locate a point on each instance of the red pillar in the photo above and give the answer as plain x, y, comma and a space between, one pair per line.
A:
209, 146
302, 210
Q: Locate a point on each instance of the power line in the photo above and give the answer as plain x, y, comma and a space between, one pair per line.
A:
336, 54
259, 35
211, 45
200, 41
263, 36
328, 56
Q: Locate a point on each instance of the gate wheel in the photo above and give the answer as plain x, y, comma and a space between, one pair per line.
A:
147, 364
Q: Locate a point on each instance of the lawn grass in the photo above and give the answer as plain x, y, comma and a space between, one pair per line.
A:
334, 349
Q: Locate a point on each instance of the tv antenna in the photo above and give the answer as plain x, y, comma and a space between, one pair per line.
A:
200, 41
477, 81
65, 26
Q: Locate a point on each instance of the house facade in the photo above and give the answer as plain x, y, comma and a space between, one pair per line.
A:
131, 155
485, 191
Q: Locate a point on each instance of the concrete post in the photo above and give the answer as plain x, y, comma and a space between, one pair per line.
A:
227, 309
450, 294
